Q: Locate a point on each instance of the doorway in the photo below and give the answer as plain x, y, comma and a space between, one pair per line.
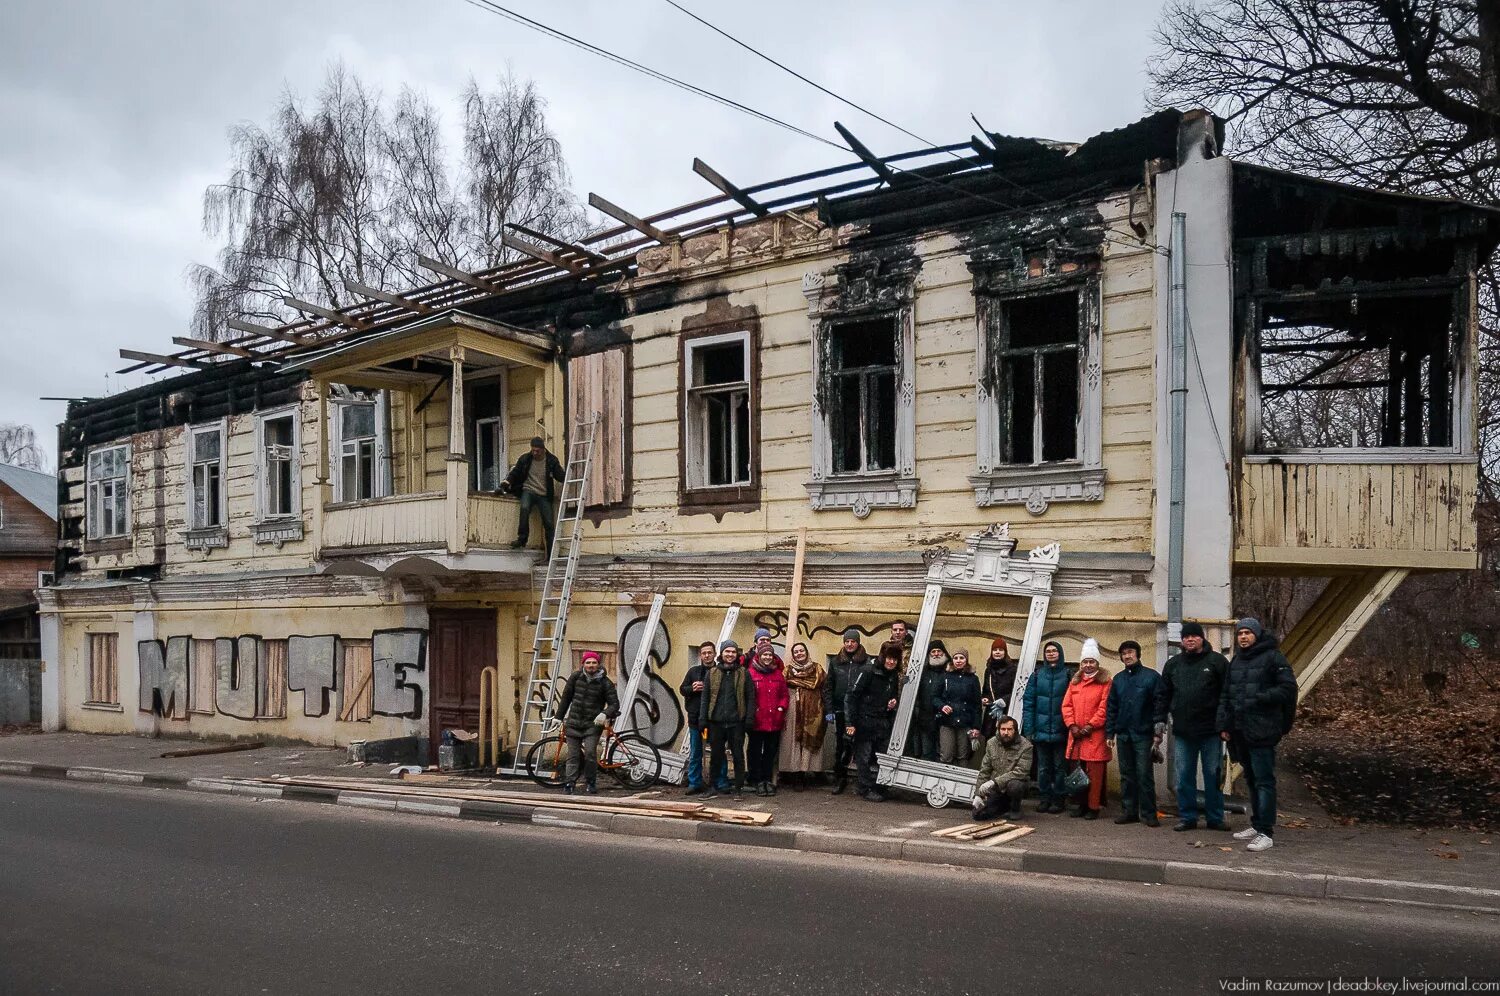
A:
462, 644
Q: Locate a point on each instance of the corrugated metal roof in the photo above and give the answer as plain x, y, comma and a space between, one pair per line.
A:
38, 488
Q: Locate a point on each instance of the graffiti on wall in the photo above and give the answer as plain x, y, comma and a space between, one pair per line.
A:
251, 675
655, 714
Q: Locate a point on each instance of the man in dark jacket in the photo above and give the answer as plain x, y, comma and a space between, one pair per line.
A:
691, 688
842, 667
1193, 682
588, 700
1259, 694
922, 737
531, 478
1003, 773
727, 706
958, 711
1135, 718
1042, 704
869, 708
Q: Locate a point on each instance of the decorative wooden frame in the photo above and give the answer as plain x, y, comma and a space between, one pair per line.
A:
985, 565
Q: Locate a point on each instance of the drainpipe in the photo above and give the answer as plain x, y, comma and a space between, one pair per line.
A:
1177, 440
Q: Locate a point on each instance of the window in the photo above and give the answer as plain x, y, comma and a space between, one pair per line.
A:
108, 492
277, 473
356, 681
354, 475
484, 402
717, 412
862, 378
206, 477
598, 383
104, 674
203, 678
1040, 382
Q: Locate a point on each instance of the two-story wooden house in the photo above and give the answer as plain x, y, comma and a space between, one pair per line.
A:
1179, 368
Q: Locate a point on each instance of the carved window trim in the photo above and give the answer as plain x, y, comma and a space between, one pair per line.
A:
862, 290
998, 279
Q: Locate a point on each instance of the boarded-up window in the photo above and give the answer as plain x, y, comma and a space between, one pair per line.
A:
204, 678
104, 671
356, 685
271, 699
596, 383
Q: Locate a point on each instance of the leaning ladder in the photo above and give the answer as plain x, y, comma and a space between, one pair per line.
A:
557, 593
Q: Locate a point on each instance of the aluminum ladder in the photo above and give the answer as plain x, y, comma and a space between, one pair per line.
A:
557, 593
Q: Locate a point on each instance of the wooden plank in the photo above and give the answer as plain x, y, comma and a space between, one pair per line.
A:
169, 361
281, 335
794, 606
214, 347
708, 173
214, 749
870, 159
375, 293
337, 317
453, 273
571, 247
1006, 838
537, 252
625, 217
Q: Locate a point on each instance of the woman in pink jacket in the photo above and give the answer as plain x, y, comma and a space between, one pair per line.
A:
1083, 714
771, 700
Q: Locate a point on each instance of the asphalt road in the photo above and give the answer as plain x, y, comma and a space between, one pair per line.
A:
113, 890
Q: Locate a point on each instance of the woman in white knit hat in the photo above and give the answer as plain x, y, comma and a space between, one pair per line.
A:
1083, 708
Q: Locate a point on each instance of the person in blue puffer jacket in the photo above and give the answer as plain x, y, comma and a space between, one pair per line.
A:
1042, 704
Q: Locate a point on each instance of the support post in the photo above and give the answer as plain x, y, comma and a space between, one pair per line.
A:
457, 461
795, 605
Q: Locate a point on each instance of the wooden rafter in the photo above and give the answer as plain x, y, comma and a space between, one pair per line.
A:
214, 347
328, 314
626, 218
160, 360
537, 252
749, 203
454, 273
571, 247
376, 294
870, 159
281, 335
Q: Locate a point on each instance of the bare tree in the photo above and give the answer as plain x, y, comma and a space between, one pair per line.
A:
19, 448
352, 188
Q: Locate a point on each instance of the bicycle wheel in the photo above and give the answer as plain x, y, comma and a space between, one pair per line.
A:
545, 762
633, 760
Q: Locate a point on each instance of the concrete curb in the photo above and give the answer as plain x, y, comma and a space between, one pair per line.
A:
927, 851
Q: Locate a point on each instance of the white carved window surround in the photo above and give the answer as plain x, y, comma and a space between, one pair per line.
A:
1040, 385
207, 498
278, 476
864, 423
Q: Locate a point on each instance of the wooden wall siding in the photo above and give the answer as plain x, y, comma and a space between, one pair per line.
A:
596, 383
271, 696
401, 520
25, 528
492, 520
104, 668
203, 677
356, 683
1391, 507
946, 456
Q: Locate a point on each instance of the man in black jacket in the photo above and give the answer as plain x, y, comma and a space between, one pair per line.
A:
588, 700
842, 667
532, 478
1135, 719
1193, 681
869, 709
1255, 705
727, 706
692, 697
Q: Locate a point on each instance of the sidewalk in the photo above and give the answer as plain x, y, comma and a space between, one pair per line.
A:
1313, 855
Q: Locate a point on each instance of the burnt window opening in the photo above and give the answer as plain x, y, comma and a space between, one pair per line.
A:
718, 411
485, 411
1346, 372
1037, 343
862, 370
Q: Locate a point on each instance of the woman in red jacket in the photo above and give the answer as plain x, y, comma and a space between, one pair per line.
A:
771, 700
1083, 713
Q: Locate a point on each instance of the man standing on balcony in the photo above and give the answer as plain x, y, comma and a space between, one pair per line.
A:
531, 478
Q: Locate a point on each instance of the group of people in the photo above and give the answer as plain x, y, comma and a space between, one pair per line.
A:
1074, 719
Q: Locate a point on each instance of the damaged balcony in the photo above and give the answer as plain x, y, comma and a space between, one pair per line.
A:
417, 428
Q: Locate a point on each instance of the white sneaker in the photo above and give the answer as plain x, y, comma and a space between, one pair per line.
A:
1260, 843
1249, 833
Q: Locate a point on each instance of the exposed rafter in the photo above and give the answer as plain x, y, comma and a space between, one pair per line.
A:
571, 247
870, 159
214, 347
376, 294
537, 252
749, 203
281, 335
453, 273
626, 218
328, 314
160, 360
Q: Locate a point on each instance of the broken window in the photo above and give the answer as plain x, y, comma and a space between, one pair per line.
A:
1036, 358
1338, 371
718, 410
205, 477
108, 492
277, 466
355, 479
485, 404
862, 367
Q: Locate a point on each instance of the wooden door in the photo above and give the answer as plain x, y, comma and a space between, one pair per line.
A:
461, 644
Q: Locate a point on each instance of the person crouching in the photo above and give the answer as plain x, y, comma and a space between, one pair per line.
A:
1003, 773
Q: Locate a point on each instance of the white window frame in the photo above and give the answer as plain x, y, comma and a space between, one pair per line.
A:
94, 488
379, 448
190, 485
695, 413
499, 424
263, 512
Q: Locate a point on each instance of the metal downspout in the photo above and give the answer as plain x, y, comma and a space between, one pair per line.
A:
1177, 385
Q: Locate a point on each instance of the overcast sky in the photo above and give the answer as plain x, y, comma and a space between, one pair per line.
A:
114, 118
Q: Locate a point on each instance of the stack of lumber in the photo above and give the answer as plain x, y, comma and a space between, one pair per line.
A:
664, 809
985, 834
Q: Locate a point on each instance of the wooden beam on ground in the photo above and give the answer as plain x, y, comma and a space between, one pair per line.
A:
454, 273
537, 252
376, 294
870, 159
214, 347
571, 247
160, 360
749, 203
240, 325
624, 217
338, 318
214, 749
